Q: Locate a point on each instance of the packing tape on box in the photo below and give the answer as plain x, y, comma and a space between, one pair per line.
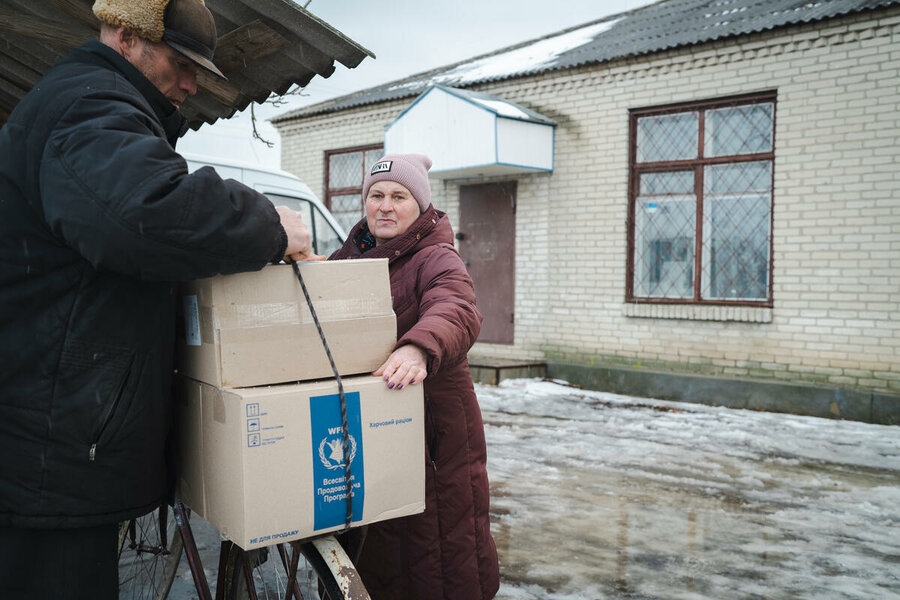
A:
290, 313
207, 323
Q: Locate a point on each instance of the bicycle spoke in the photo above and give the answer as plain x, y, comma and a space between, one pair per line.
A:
147, 560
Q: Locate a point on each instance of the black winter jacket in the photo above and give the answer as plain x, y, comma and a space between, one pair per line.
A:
98, 218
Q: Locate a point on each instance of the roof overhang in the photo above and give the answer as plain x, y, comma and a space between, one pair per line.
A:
471, 134
264, 47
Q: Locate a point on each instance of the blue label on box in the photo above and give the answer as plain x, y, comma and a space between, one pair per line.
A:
329, 472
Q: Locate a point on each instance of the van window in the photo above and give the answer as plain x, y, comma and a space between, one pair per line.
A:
325, 239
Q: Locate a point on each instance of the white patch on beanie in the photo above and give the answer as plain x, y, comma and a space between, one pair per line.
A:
382, 167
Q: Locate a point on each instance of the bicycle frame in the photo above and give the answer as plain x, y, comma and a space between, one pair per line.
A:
325, 554
190, 551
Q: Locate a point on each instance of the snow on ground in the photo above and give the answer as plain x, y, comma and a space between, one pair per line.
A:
596, 495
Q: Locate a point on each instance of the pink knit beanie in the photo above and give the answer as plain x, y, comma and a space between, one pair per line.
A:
409, 170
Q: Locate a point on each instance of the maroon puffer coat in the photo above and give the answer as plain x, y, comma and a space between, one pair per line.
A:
447, 552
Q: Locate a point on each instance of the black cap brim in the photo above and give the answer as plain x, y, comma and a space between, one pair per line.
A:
197, 58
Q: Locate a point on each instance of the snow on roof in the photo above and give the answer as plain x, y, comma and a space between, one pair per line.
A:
529, 58
659, 26
497, 105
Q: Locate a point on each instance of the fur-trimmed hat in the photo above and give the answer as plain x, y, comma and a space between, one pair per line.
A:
409, 170
185, 25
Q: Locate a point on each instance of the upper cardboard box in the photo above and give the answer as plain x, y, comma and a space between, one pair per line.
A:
251, 329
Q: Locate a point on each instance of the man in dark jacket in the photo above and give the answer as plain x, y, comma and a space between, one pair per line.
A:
98, 218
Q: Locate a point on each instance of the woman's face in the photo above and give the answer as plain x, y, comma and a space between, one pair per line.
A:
390, 210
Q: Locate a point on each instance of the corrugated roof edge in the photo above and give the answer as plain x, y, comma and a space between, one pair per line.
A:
417, 83
422, 77
351, 62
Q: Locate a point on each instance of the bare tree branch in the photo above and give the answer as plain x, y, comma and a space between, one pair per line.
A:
274, 100
256, 134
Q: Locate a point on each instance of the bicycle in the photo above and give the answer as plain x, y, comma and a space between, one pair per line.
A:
150, 550
148, 565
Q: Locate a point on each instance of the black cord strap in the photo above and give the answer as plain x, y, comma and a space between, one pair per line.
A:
345, 430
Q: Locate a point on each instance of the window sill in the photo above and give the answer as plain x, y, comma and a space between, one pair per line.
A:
699, 312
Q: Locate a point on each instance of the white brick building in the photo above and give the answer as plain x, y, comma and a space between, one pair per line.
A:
791, 278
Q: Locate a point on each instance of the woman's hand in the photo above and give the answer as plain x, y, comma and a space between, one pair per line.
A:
405, 366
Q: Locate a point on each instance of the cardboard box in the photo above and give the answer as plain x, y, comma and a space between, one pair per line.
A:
255, 328
265, 465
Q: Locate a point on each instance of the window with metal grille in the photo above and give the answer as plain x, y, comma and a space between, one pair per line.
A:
344, 173
700, 202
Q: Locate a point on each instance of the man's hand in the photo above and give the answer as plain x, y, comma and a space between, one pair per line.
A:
405, 366
299, 247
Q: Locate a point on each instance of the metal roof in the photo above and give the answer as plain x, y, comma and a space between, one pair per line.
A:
264, 46
656, 27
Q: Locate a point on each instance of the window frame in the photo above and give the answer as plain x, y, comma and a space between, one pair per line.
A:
315, 221
697, 165
347, 191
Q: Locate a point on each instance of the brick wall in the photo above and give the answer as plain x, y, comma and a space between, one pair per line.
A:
836, 232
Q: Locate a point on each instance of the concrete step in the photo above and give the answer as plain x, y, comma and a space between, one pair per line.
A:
494, 370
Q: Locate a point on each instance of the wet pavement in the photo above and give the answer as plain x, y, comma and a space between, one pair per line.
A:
604, 496
599, 496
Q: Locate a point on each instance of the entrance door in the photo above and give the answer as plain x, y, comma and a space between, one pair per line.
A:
487, 244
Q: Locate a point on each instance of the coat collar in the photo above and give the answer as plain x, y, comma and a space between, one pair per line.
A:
432, 227
98, 54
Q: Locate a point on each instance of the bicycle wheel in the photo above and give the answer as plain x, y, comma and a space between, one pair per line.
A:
150, 548
322, 564
334, 568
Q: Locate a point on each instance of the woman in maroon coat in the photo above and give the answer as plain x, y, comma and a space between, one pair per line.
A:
447, 552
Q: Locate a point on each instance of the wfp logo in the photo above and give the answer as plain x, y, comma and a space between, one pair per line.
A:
331, 452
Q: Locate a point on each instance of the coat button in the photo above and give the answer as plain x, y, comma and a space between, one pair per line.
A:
418, 236
396, 253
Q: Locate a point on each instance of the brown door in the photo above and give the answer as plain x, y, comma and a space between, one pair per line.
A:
487, 244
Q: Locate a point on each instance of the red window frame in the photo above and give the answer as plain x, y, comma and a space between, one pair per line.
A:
346, 191
635, 170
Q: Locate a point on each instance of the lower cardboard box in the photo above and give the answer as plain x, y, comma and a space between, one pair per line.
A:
266, 465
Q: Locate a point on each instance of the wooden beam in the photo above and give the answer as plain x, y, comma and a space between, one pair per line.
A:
22, 75
32, 53
79, 10
253, 41
41, 30
281, 20
223, 91
11, 89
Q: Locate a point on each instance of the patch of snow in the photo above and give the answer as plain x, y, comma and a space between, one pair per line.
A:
527, 58
598, 495
504, 109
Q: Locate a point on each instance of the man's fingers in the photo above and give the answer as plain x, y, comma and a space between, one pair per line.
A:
300, 257
298, 235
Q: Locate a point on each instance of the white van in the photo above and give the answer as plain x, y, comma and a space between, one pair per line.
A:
283, 189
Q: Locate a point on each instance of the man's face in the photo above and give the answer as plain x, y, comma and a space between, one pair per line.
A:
172, 73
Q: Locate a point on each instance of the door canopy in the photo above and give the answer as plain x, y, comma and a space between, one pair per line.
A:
471, 134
